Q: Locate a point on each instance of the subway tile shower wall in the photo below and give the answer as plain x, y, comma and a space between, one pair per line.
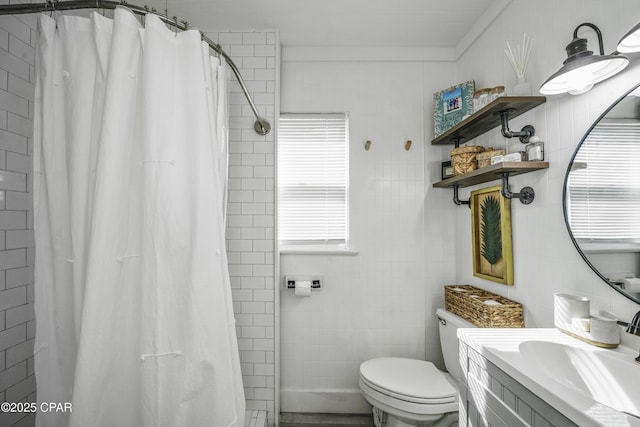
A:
17, 324
251, 218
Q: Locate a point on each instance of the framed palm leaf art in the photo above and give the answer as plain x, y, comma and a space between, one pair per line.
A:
491, 235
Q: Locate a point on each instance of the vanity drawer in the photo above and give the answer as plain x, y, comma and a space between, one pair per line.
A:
493, 398
485, 409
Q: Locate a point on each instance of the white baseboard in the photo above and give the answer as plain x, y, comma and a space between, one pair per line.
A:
341, 401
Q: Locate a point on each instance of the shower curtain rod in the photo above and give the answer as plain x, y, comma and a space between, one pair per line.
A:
261, 126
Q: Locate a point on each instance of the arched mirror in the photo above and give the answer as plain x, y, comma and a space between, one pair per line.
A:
601, 197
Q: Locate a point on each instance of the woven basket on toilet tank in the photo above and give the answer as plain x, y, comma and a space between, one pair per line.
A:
482, 308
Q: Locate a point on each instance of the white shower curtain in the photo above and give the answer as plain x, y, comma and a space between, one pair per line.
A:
134, 316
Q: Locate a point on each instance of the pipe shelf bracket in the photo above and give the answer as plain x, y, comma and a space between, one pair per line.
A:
457, 201
524, 134
526, 194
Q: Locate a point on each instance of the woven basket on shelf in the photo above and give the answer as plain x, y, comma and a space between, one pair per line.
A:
468, 302
484, 158
464, 159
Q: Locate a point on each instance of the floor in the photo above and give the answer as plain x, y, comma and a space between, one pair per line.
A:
288, 419
255, 419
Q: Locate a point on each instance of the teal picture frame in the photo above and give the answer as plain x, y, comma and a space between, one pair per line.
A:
451, 105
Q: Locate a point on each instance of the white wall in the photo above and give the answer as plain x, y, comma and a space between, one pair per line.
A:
379, 302
368, 307
17, 327
545, 260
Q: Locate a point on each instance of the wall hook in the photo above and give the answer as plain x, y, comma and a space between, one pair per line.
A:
367, 144
407, 145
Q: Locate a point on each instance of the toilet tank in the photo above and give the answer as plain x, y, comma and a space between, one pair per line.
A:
449, 324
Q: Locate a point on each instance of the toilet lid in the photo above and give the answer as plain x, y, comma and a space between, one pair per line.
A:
409, 379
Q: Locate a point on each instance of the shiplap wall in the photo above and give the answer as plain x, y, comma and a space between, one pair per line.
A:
545, 260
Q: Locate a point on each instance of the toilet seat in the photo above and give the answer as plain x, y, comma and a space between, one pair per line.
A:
407, 386
416, 381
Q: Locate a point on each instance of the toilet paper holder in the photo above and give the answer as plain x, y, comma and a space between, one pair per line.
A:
316, 281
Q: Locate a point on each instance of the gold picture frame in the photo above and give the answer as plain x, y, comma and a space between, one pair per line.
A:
491, 235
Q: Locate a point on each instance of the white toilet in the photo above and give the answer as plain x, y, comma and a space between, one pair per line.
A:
409, 392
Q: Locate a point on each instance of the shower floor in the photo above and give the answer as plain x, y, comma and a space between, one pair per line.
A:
255, 418
289, 419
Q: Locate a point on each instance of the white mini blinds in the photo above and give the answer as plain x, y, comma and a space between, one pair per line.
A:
604, 185
313, 178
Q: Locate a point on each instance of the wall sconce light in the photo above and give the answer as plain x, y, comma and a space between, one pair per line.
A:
630, 42
582, 69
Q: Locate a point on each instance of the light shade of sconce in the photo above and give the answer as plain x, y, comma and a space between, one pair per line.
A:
582, 69
630, 42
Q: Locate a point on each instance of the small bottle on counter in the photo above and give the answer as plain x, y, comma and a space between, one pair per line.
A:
535, 149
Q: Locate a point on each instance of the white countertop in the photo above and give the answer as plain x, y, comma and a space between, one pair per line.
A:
502, 348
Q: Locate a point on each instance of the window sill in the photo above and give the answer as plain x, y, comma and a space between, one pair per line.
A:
317, 250
603, 248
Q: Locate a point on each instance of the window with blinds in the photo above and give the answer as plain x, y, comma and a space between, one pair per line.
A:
313, 178
604, 184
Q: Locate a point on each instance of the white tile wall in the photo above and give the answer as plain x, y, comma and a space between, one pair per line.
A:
545, 260
250, 226
17, 381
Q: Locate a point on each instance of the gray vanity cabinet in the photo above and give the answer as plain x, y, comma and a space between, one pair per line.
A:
491, 398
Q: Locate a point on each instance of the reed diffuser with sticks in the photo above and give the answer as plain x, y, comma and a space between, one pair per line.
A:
519, 59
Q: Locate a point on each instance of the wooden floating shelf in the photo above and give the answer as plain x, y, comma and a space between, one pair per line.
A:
491, 173
488, 118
